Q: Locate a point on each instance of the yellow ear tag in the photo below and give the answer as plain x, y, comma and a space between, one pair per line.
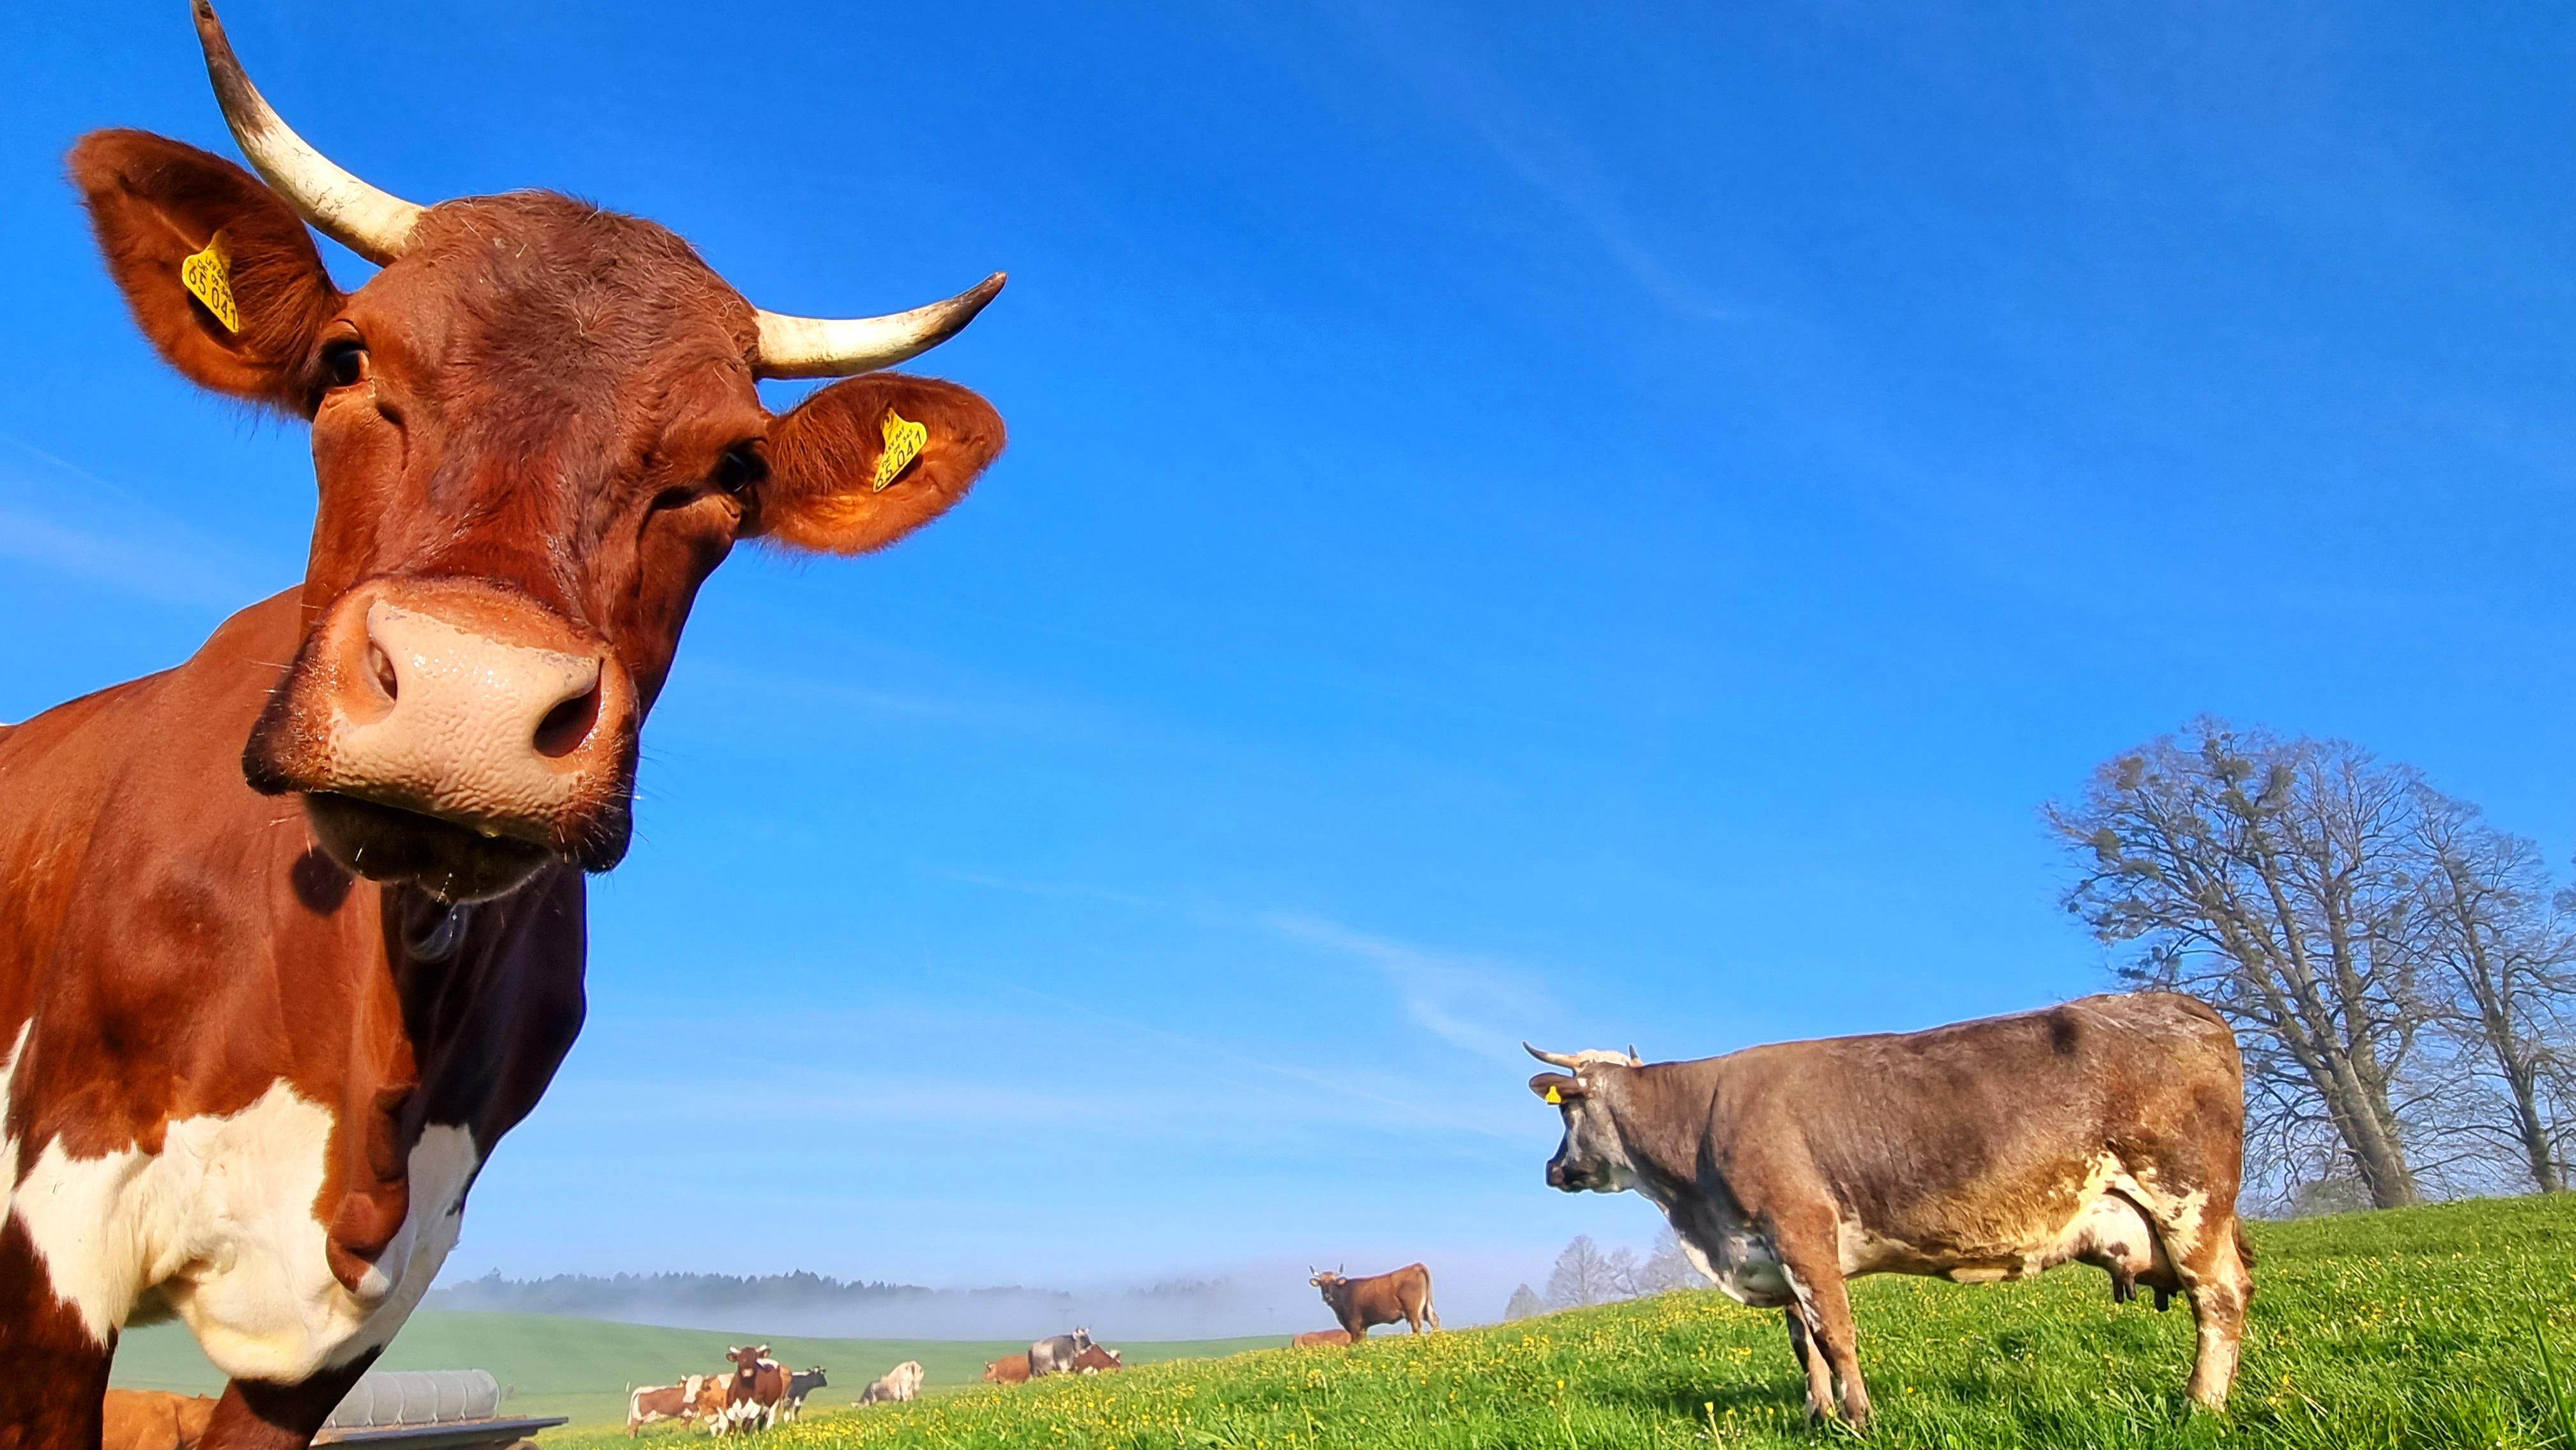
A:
1553, 1096
904, 440
208, 276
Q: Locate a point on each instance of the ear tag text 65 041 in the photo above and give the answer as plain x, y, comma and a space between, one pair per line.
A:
904, 440
208, 276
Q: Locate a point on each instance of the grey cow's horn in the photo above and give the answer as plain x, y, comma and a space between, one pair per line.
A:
377, 225
1564, 1060
837, 347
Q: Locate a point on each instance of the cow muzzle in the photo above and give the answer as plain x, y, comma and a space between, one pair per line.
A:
453, 734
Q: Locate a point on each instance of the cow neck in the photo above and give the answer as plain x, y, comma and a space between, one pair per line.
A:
1664, 1141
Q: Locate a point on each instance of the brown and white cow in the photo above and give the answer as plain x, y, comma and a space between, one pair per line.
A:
1097, 1359
707, 1407
292, 933
1398, 1296
646, 1404
755, 1391
2108, 1129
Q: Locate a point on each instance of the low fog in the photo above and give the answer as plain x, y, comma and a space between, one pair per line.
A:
812, 1305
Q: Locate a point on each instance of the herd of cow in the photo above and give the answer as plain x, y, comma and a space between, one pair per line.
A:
291, 934
757, 1393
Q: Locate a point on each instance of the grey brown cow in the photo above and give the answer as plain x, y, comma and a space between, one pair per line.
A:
1056, 1353
2108, 1130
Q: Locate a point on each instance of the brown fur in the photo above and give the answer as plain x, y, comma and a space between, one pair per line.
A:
1010, 1369
154, 1420
1318, 1338
1399, 1296
1963, 1151
1097, 1359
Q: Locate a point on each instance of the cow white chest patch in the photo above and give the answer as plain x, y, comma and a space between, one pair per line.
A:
219, 1228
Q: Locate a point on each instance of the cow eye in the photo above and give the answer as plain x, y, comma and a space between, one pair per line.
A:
740, 468
344, 362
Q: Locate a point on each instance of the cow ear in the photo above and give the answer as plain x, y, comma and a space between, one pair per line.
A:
869, 459
167, 214
1556, 1087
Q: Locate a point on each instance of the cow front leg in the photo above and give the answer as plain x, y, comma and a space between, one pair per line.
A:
1815, 1273
254, 1415
53, 1371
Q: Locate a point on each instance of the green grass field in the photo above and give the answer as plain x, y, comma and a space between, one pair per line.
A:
2415, 1328
579, 1367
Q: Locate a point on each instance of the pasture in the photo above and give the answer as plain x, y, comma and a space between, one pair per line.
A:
2419, 1327
555, 1365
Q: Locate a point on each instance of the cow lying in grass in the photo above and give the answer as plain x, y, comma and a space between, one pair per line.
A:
895, 1386
2108, 1130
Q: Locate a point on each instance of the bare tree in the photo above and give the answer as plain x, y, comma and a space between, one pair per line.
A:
1665, 1269
2497, 939
1524, 1303
2267, 876
1583, 1275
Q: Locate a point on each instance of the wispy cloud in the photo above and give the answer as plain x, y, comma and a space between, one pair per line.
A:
1446, 70
1453, 997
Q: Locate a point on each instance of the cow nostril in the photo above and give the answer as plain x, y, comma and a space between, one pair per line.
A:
383, 666
567, 725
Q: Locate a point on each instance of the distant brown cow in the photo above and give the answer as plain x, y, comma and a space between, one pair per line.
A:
155, 1420
1317, 1338
1096, 1358
755, 1389
1010, 1369
1402, 1296
2109, 1129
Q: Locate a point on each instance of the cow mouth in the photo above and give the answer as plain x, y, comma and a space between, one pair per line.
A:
451, 862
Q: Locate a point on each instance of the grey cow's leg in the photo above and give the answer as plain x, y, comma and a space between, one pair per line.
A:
1808, 1247
1811, 1363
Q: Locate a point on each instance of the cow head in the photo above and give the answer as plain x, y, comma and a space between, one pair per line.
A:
1330, 1281
535, 432
1594, 1156
747, 1359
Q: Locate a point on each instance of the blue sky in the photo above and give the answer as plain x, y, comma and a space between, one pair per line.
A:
1592, 528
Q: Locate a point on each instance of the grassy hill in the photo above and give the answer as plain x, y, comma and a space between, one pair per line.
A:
579, 1367
2412, 1328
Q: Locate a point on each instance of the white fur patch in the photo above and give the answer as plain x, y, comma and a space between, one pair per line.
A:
8, 1141
219, 1228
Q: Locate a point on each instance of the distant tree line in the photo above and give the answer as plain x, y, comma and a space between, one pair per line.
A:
2398, 971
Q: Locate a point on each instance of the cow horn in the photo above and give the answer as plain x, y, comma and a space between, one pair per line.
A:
1564, 1060
1633, 1059
376, 225
837, 347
